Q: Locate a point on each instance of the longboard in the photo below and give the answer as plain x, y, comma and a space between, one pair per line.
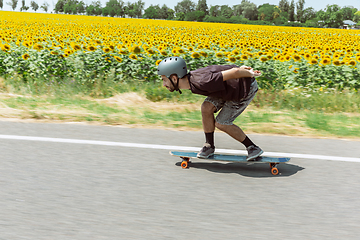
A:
186, 156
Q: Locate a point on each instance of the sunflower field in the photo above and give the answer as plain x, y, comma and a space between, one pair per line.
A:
55, 47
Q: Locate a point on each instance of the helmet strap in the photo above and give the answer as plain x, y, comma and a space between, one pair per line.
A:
177, 84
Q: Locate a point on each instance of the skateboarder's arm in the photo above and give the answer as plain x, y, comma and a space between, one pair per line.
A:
241, 72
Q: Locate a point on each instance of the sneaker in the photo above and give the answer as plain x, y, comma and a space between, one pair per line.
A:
253, 152
206, 152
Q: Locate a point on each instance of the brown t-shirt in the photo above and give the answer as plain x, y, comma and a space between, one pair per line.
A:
208, 81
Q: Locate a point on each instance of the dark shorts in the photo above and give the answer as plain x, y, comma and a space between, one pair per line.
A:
230, 110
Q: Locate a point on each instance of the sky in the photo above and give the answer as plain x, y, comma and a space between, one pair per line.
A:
317, 5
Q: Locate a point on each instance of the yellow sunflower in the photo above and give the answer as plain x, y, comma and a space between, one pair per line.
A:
75, 46
231, 58
204, 54
351, 63
27, 43
150, 51
219, 55
296, 57
313, 61
195, 55
264, 59
336, 56
133, 57
106, 49
123, 51
325, 61
5, 47
119, 59
180, 50
158, 62
336, 62
91, 48
307, 56
38, 47
136, 49
235, 52
25, 56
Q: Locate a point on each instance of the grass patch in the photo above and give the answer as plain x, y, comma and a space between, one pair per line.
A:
334, 124
330, 101
295, 112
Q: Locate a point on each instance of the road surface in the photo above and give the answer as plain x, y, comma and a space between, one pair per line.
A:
73, 181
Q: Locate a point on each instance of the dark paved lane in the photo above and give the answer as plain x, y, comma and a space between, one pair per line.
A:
52, 190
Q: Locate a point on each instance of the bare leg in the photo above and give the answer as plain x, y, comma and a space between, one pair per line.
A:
233, 130
208, 119
238, 134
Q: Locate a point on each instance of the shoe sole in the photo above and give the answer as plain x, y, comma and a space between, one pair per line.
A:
205, 157
256, 156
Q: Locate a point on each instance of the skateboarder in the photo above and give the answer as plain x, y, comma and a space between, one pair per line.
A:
229, 89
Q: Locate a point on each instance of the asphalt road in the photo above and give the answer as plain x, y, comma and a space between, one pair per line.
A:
65, 190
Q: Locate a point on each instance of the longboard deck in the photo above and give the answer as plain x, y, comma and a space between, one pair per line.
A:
230, 158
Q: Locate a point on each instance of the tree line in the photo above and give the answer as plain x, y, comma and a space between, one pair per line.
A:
33, 5
287, 12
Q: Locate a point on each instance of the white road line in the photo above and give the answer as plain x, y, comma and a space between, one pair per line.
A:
174, 148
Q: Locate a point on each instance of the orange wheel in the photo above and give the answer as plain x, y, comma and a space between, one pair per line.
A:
274, 171
184, 164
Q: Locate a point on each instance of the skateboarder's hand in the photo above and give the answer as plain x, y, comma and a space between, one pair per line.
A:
256, 73
246, 67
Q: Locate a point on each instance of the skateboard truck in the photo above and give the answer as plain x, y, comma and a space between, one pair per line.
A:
185, 162
274, 170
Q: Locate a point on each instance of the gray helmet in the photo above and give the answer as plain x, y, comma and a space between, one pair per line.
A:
172, 65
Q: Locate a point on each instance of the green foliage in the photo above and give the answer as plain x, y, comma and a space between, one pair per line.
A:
13, 4
85, 67
332, 16
301, 99
233, 19
244, 13
357, 17
44, 7
34, 5
268, 12
185, 6
202, 6
292, 11
152, 12
195, 16
158, 93
300, 11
